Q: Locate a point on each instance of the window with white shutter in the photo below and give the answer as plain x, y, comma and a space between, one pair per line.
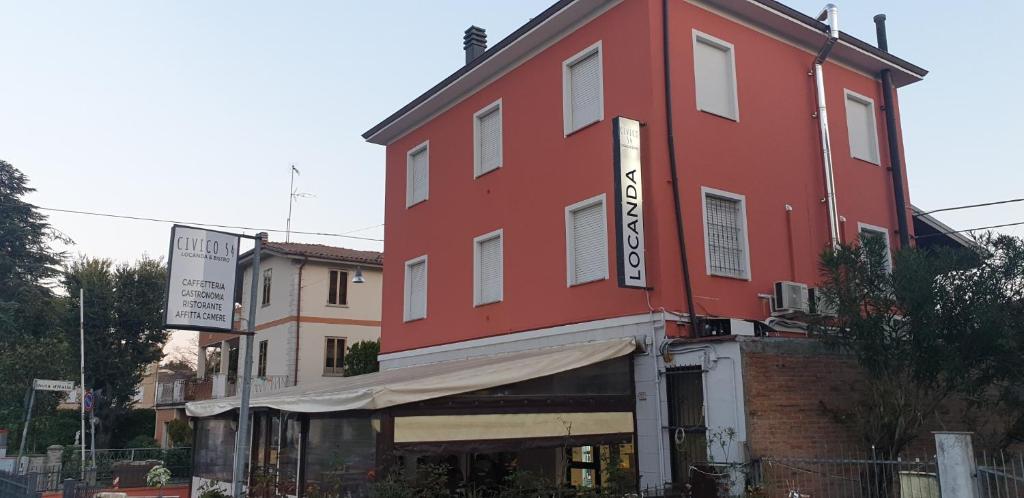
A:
714, 69
417, 174
487, 139
726, 249
582, 89
862, 128
586, 240
488, 271
416, 289
871, 231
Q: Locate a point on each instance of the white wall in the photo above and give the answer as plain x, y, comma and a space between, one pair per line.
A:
320, 320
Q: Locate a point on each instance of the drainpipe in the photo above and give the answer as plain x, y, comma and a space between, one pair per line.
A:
695, 321
895, 158
831, 15
298, 321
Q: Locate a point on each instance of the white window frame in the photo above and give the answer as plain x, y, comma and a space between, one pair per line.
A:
409, 174
849, 95
406, 304
570, 245
567, 85
477, 152
745, 242
477, 289
334, 371
701, 37
861, 227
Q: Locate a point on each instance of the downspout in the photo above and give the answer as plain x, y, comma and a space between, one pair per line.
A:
298, 321
687, 285
831, 15
895, 159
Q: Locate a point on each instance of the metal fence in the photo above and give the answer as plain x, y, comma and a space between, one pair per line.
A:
851, 477
130, 465
1000, 475
18, 486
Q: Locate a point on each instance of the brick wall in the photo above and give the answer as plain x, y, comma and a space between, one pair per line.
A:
787, 393
793, 387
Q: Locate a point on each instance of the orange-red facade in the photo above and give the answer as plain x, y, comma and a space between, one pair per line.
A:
771, 155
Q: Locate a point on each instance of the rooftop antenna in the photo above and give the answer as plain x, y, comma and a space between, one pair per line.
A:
293, 194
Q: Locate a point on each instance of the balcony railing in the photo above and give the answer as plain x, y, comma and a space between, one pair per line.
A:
213, 387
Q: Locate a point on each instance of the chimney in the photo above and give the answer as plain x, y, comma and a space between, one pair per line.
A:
264, 237
883, 40
474, 43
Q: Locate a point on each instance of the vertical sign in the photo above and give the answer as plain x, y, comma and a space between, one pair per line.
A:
201, 279
629, 204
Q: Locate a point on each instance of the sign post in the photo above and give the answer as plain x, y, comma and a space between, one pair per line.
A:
629, 204
203, 267
39, 385
242, 438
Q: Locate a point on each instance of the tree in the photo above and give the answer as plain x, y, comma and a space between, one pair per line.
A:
31, 344
939, 325
180, 433
362, 358
123, 330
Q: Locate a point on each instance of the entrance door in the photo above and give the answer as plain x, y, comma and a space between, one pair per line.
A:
687, 426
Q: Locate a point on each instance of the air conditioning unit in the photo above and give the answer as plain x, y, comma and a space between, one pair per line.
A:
819, 305
790, 298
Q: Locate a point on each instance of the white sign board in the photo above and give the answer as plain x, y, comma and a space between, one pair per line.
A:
53, 385
201, 279
629, 204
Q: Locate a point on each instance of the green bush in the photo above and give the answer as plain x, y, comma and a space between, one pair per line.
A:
133, 425
142, 442
179, 433
362, 358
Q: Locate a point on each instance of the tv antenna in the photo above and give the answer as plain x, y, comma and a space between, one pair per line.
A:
293, 194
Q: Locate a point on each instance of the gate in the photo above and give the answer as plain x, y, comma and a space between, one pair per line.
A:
19, 486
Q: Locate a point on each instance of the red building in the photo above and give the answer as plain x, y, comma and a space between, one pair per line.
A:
512, 221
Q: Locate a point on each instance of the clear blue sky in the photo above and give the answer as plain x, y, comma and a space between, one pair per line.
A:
193, 110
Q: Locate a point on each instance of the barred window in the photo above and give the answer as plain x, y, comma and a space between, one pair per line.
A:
725, 234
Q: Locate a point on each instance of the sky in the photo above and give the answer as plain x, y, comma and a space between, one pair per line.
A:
194, 110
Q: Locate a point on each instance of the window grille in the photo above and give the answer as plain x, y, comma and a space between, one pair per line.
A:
725, 233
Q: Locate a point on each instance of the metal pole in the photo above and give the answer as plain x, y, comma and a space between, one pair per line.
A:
242, 437
81, 342
291, 199
28, 420
92, 425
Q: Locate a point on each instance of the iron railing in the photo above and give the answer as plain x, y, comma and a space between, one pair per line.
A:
19, 486
1000, 475
128, 464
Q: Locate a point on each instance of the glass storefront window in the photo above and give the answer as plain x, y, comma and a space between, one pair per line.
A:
340, 456
215, 446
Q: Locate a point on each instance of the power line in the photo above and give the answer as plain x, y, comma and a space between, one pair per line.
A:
970, 230
214, 225
970, 206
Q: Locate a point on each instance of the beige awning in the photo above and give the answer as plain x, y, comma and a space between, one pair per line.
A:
410, 384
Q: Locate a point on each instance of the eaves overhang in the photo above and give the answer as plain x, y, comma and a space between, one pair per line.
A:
565, 16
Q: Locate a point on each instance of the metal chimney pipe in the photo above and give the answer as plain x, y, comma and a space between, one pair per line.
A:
830, 14
895, 156
883, 40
